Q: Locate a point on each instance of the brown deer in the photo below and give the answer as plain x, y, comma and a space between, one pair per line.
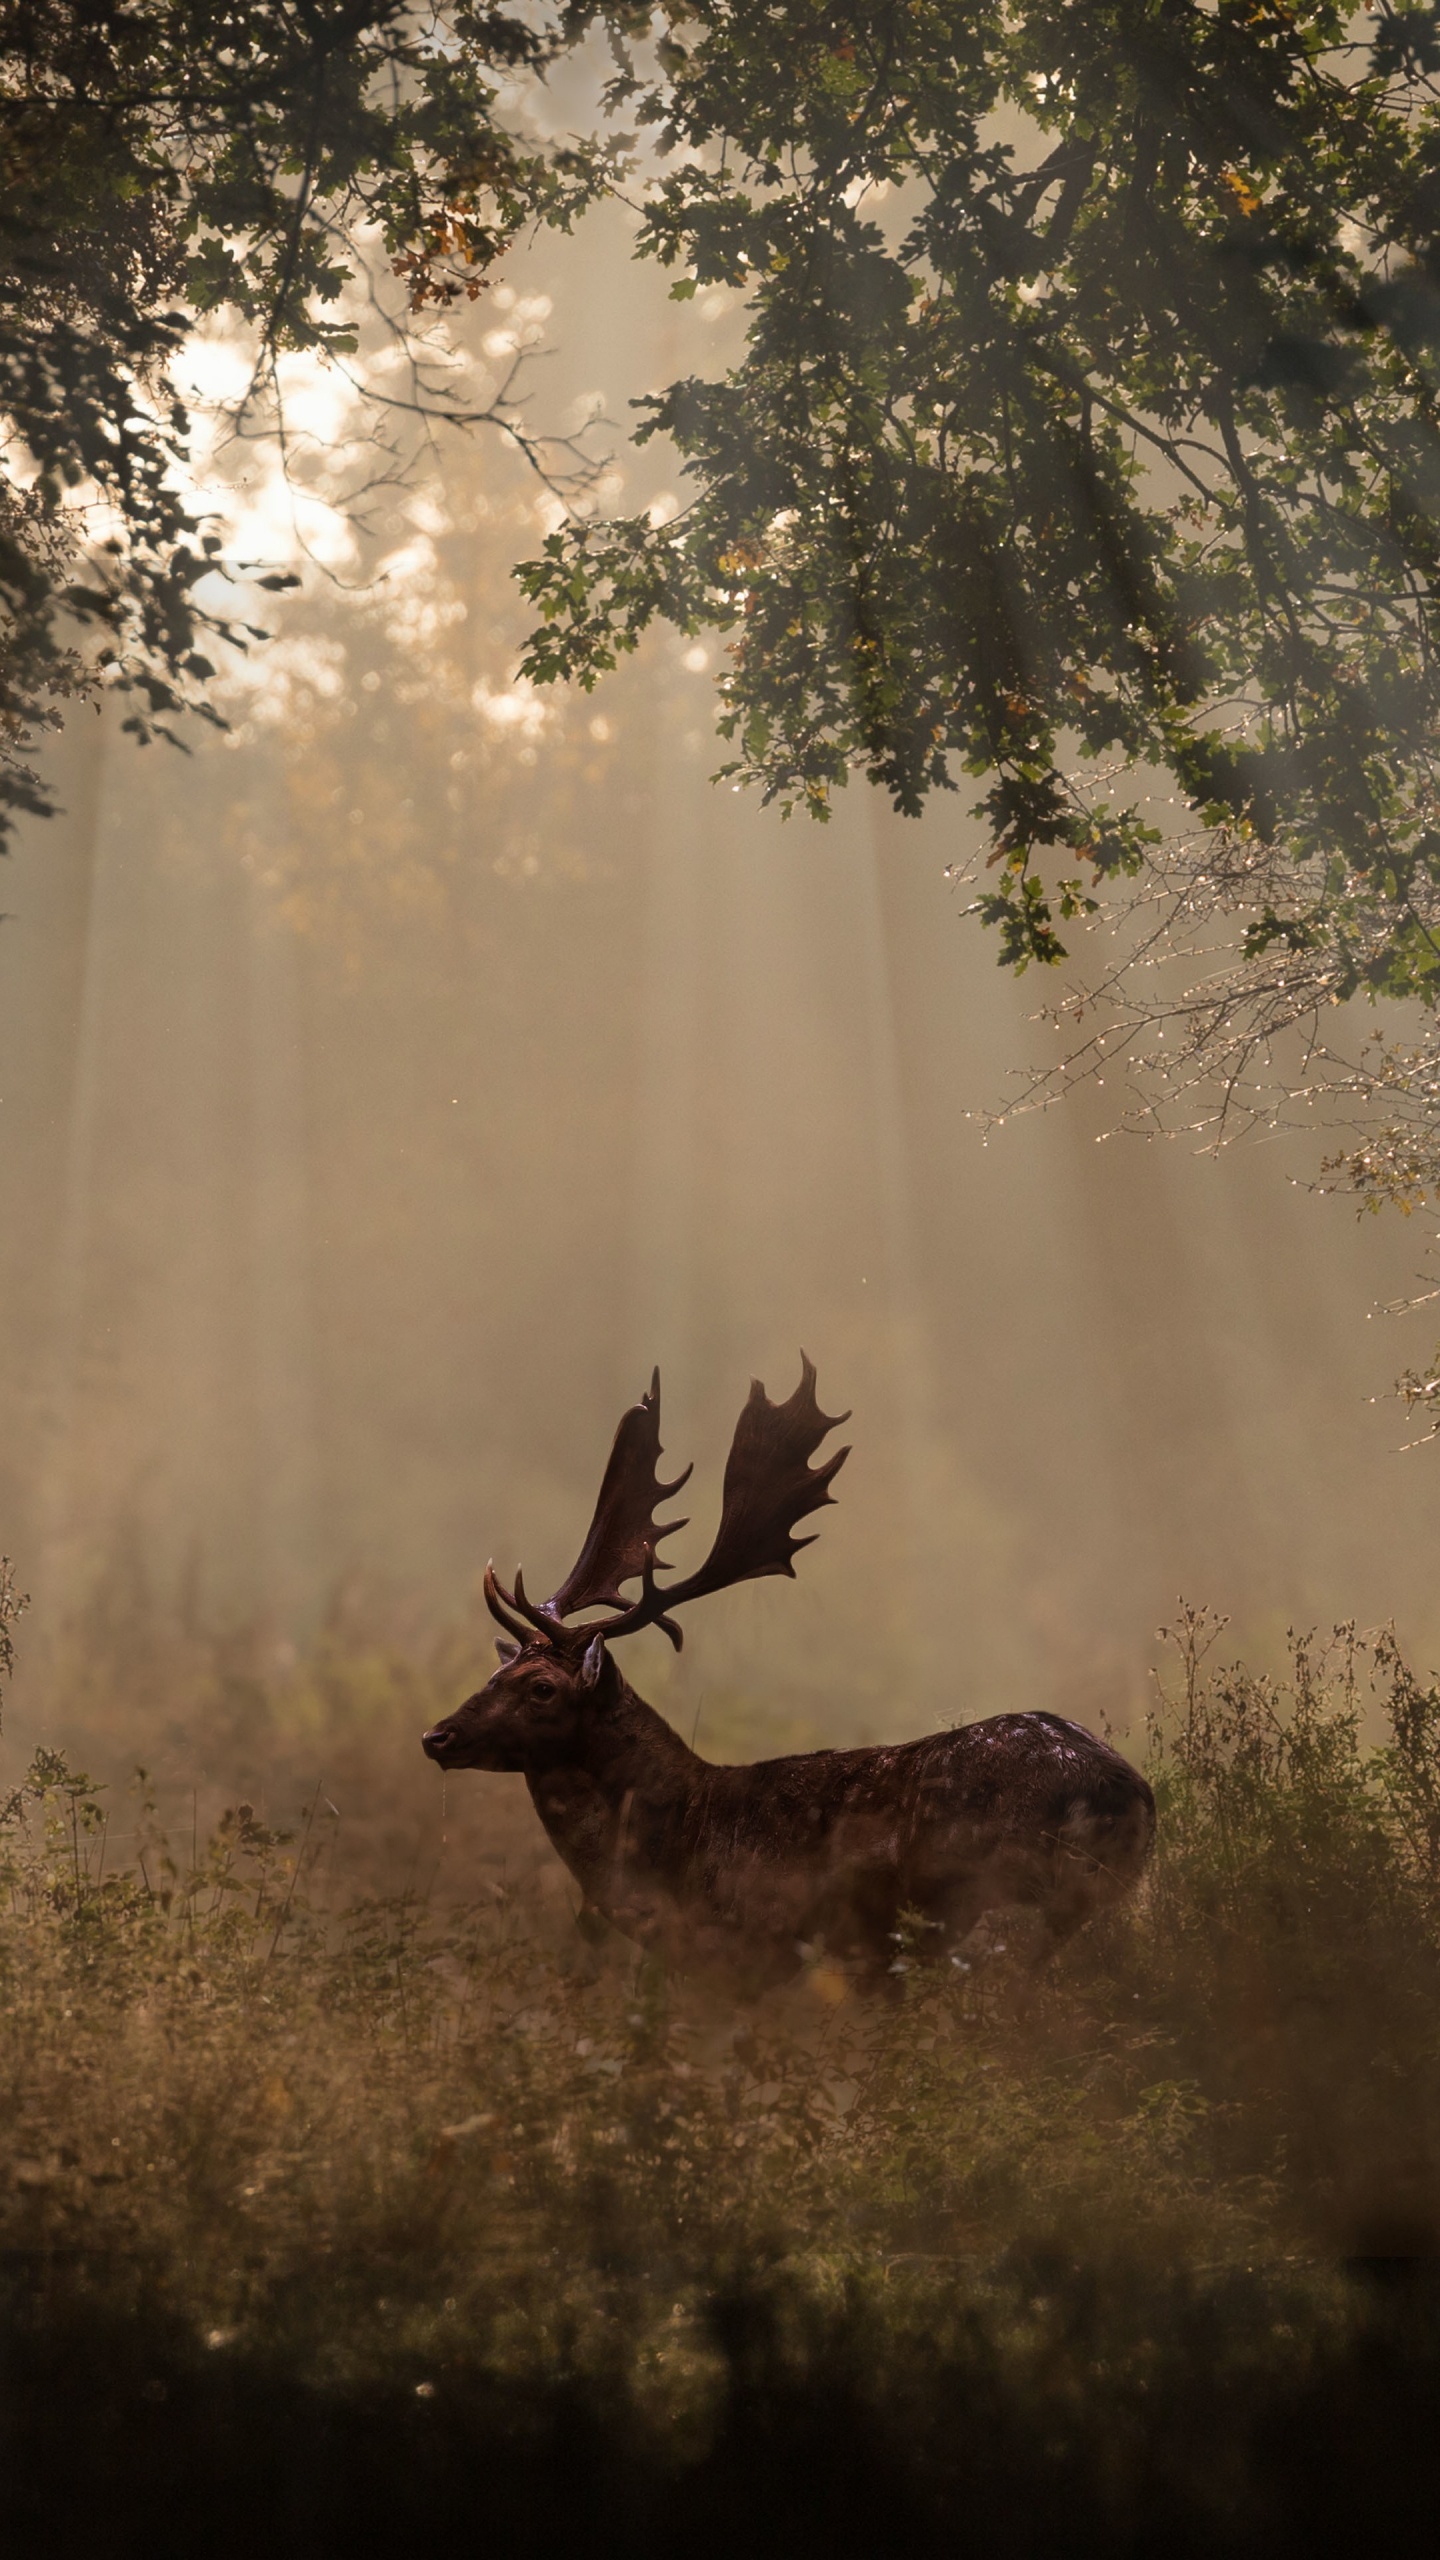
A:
746, 1870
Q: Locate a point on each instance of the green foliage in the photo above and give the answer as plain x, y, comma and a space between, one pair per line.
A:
1087, 408
12, 1603
180, 157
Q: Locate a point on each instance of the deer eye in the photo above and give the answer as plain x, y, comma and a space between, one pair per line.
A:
544, 1690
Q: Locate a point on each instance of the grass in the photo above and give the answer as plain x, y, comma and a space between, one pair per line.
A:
350, 2212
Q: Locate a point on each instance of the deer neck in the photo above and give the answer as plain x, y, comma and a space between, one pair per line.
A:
615, 1809
625, 1748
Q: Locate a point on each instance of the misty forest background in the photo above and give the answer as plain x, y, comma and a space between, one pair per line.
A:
393, 1077
389, 1082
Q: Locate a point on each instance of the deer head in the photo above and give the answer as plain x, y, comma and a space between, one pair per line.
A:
554, 1673
528, 1715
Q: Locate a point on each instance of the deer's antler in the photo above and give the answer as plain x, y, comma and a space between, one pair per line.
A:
623, 1541
496, 1600
624, 1537
769, 1485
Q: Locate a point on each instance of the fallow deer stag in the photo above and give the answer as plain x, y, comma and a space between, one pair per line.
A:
743, 1870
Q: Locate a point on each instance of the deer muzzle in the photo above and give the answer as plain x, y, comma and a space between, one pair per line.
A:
470, 1739
449, 1745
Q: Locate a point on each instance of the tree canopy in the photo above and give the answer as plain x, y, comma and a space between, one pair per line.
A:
1084, 442
165, 159
1088, 411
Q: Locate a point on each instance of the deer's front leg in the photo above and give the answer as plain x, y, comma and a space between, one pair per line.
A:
581, 1827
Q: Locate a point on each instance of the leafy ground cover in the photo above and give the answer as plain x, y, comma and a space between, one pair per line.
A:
333, 2213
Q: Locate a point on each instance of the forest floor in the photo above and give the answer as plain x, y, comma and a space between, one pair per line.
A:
334, 2214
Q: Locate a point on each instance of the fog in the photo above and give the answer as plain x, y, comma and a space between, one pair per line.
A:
387, 1086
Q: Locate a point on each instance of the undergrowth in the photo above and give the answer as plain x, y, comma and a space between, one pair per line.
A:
451, 2178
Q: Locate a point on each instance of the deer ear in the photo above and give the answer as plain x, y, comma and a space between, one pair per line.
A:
594, 1663
506, 1650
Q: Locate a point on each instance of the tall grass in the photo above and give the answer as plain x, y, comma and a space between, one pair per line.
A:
348, 2205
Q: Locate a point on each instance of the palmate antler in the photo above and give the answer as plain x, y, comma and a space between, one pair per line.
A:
769, 1486
623, 1539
